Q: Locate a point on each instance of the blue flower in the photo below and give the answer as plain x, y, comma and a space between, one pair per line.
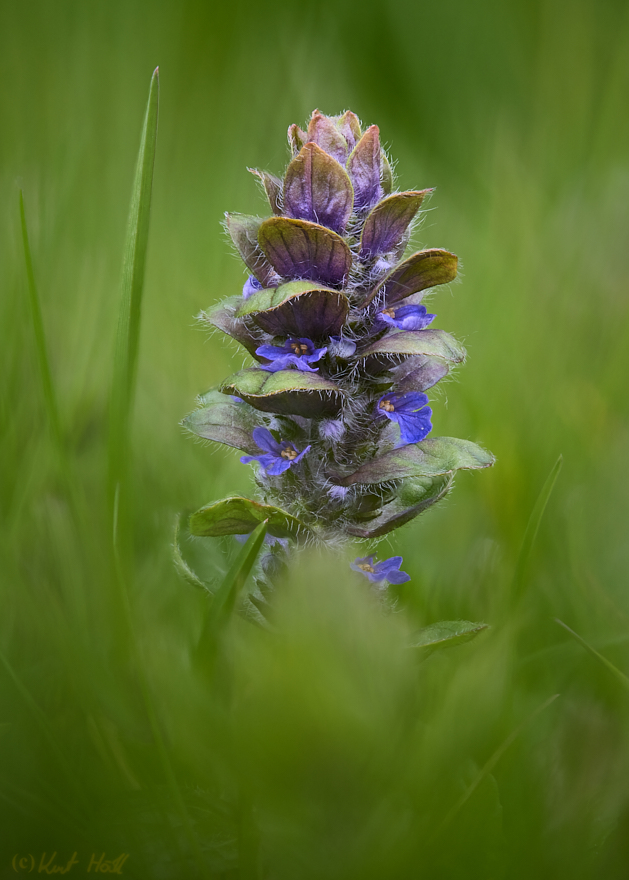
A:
276, 457
298, 353
407, 317
409, 410
252, 285
387, 570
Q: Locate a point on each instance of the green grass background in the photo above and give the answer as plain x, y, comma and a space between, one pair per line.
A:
328, 752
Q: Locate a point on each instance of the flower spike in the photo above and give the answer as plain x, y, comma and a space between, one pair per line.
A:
341, 352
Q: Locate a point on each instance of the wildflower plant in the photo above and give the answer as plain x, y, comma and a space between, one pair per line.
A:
333, 413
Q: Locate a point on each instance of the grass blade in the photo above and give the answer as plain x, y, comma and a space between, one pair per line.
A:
224, 600
490, 764
46, 730
125, 364
533, 525
50, 398
620, 676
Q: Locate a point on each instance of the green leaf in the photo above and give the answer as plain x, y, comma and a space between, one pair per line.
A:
420, 271
446, 634
243, 229
414, 496
224, 421
125, 364
290, 392
299, 308
238, 516
430, 458
434, 343
223, 318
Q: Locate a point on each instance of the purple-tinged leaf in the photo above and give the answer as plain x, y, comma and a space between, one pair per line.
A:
349, 126
430, 458
420, 271
223, 421
299, 308
297, 137
299, 249
239, 516
288, 392
324, 132
365, 169
388, 222
434, 343
272, 187
418, 373
224, 319
317, 188
414, 496
243, 230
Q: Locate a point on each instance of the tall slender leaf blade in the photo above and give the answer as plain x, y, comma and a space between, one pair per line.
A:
134, 260
225, 598
50, 398
533, 525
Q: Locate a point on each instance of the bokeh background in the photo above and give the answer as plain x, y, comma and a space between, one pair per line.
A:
333, 752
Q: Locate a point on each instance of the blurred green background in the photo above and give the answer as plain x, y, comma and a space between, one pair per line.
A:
328, 751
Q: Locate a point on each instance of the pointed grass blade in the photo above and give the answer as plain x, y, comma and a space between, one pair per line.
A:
126, 356
489, 766
533, 525
50, 398
620, 676
47, 731
225, 598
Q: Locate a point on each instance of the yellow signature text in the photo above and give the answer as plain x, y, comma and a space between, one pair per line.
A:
48, 863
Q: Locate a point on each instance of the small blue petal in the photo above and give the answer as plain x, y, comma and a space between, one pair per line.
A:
276, 457
387, 570
252, 285
297, 353
408, 317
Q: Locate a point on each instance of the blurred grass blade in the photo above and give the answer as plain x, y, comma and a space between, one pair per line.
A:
126, 356
620, 676
491, 763
47, 731
225, 598
235, 579
50, 398
181, 565
533, 525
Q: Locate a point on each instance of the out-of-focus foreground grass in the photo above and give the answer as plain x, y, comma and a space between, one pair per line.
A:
327, 750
